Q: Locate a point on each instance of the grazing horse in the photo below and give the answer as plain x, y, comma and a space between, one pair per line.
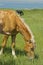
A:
10, 25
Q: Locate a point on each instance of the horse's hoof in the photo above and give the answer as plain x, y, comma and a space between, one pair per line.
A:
15, 57
1, 53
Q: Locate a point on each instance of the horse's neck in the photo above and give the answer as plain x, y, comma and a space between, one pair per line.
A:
23, 29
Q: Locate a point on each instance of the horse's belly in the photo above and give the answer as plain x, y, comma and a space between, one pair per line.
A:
10, 33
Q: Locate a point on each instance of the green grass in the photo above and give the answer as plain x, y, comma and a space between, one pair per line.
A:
33, 18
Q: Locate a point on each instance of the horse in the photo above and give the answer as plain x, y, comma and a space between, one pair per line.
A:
20, 12
10, 25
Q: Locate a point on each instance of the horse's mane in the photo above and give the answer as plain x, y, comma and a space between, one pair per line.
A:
28, 28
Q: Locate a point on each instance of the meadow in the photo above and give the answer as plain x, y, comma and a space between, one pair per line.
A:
34, 19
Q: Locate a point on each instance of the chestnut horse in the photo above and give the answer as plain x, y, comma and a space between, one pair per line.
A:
10, 25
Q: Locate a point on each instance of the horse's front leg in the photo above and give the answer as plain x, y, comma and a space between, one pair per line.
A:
4, 43
13, 45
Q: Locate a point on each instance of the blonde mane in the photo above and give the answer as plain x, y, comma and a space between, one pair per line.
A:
29, 30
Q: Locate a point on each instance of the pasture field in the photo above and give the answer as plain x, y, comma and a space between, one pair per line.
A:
33, 18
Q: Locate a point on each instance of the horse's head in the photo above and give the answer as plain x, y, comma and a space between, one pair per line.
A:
29, 48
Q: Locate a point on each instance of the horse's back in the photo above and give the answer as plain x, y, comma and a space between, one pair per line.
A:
7, 20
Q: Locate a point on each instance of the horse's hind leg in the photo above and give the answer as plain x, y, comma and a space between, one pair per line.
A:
13, 45
4, 43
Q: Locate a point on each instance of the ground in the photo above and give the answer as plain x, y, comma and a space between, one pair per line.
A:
33, 18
